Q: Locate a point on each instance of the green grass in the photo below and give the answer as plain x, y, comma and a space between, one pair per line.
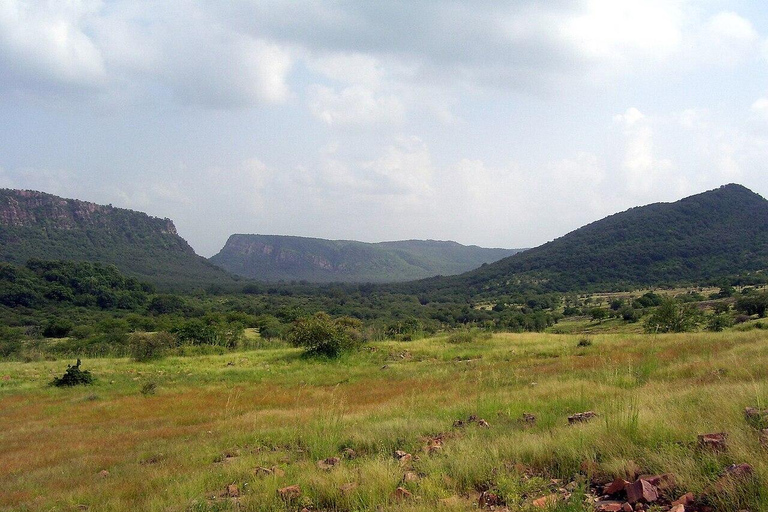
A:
211, 423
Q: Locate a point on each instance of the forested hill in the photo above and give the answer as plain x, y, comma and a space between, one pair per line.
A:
36, 225
723, 232
289, 258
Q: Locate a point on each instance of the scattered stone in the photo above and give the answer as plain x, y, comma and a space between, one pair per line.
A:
6, 377
289, 493
615, 487
483, 424
545, 501
403, 494
328, 464
349, 453
755, 415
609, 506
399, 454
641, 491
472, 418
677, 508
581, 417
434, 449
627, 508
529, 419
686, 499
410, 476
490, 499
714, 441
231, 363
663, 482
458, 424
404, 458
103, 473
233, 491
348, 487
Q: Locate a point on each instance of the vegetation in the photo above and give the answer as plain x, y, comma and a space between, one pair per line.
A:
74, 376
210, 424
325, 336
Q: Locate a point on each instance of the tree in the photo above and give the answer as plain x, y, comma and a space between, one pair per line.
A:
322, 335
673, 316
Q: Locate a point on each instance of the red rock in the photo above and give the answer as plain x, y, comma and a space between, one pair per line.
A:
641, 491
545, 501
403, 494
289, 493
349, 453
482, 423
410, 476
490, 499
458, 424
233, 491
739, 470
328, 464
615, 487
714, 441
103, 473
399, 454
581, 417
528, 418
627, 508
685, 499
662, 482
609, 506
677, 508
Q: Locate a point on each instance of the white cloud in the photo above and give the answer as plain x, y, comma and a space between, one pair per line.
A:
760, 106
354, 105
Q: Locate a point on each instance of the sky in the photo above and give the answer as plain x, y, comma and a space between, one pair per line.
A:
495, 123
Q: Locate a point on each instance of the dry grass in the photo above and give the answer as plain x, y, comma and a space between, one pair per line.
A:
211, 424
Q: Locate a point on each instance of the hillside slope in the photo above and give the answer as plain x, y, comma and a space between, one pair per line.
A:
39, 225
288, 258
710, 235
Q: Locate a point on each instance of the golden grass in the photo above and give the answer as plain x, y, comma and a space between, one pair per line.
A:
212, 424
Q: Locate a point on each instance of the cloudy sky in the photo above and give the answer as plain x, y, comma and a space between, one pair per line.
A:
497, 123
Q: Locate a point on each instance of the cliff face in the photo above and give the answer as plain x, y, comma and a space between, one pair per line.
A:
43, 226
30, 208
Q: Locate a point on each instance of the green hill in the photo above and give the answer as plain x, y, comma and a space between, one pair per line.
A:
36, 225
719, 233
292, 258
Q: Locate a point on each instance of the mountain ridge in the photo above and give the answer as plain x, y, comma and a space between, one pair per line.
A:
319, 260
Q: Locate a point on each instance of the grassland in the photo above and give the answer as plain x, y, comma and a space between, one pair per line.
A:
214, 420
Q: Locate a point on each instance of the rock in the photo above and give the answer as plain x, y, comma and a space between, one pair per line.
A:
529, 419
545, 501
615, 487
753, 415
482, 423
627, 508
403, 494
399, 454
581, 417
348, 487
663, 482
233, 491
410, 476
677, 508
686, 499
289, 493
103, 473
714, 441
742, 470
458, 424
472, 418
403, 458
277, 471
6, 377
609, 506
641, 491
349, 453
260, 471
489, 499
329, 463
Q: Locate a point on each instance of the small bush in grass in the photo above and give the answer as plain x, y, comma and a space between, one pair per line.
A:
145, 346
74, 376
585, 342
468, 335
322, 335
149, 388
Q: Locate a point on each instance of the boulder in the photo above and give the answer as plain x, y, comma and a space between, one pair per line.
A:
641, 491
289, 493
615, 487
410, 476
677, 508
581, 417
403, 494
233, 491
329, 463
609, 506
545, 501
482, 423
490, 499
685, 500
715, 441
529, 419
349, 453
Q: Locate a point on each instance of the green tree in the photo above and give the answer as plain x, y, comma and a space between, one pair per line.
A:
673, 316
322, 335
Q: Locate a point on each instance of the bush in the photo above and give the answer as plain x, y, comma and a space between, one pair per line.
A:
673, 316
584, 342
149, 388
58, 328
322, 335
146, 346
74, 376
719, 322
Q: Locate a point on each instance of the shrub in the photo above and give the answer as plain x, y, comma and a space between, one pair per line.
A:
73, 376
322, 335
719, 322
149, 388
673, 316
58, 328
584, 342
146, 346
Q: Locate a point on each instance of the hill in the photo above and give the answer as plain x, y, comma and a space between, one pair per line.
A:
292, 258
723, 232
36, 225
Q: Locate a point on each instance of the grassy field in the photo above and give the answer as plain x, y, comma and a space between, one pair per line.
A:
214, 420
